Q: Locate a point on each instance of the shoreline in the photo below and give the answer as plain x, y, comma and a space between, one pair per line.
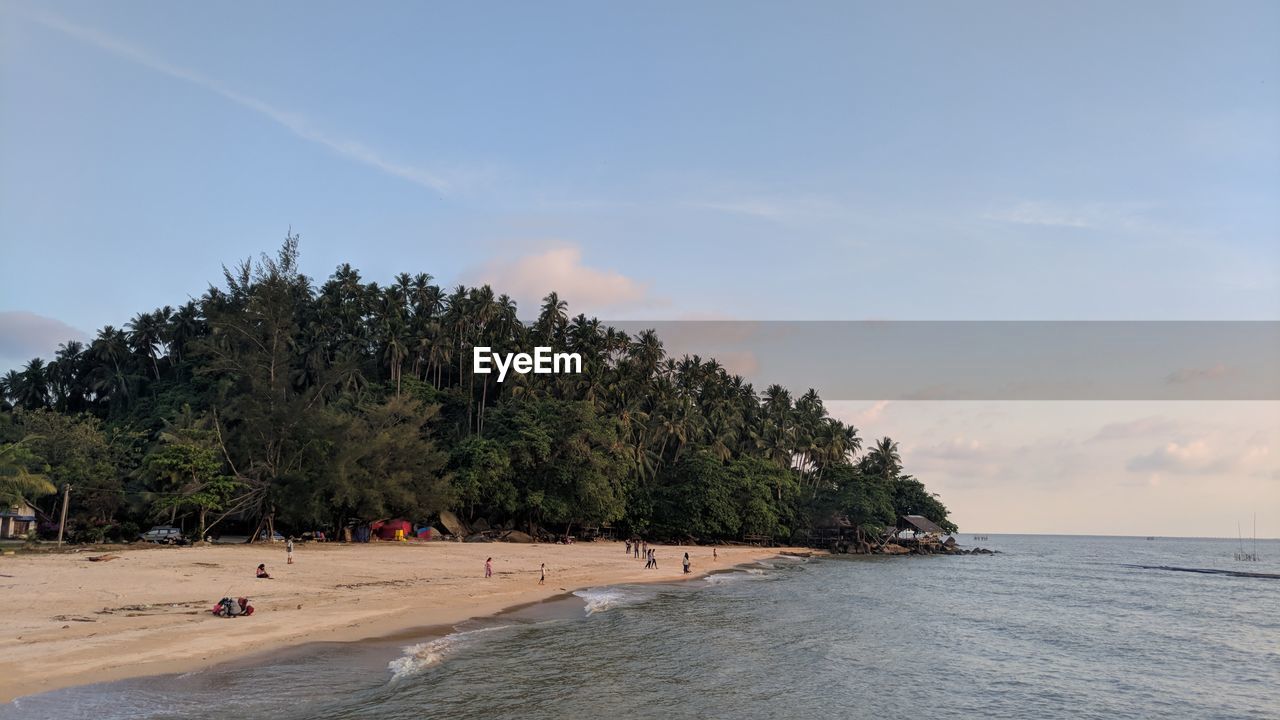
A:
67, 637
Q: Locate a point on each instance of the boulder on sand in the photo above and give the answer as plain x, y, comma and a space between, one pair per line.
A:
515, 536
478, 537
451, 523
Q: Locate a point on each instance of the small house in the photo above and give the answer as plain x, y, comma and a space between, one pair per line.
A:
17, 520
919, 524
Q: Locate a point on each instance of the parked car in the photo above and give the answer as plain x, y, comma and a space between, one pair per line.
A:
166, 534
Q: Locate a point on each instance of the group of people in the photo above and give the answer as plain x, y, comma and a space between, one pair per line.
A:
638, 548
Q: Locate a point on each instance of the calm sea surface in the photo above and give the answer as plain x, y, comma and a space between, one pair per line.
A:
1054, 627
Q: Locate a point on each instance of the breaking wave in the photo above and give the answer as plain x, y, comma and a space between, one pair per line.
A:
419, 657
599, 599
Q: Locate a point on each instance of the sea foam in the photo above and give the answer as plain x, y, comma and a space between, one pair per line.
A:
419, 657
600, 599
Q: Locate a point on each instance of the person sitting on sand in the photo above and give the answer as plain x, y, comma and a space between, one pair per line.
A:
488, 568
262, 572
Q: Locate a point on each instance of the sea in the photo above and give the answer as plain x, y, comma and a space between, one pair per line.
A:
1048, 627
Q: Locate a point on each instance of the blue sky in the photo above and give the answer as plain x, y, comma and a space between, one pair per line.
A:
823, 160
833, 160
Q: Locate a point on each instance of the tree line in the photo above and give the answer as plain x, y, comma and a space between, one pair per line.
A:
272, 402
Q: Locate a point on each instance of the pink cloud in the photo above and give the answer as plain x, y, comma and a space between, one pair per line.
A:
530, 278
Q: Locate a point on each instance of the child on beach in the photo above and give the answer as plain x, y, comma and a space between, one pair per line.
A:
714, 556
628, 547
686, 563
543, 580
488, 568
288, 550
262, 572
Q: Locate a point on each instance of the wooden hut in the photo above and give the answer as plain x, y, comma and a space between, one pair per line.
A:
918, 524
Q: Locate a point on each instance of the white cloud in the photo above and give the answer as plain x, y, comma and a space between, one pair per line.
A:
1200, 456
25, 335
1142, 427
293, 122
529, 278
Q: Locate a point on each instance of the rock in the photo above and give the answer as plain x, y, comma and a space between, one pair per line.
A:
515, 536
478, 537
480, 525
894, 549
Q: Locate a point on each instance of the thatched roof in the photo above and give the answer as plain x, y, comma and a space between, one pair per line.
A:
919, 523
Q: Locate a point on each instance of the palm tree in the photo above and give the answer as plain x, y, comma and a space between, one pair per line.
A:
33, 389
16, 482
884, 459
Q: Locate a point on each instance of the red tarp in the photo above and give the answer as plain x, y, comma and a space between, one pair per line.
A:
386, 529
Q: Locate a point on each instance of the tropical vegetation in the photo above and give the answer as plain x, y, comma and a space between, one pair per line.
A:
273, 402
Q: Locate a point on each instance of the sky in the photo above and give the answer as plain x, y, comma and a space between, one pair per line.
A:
752, 160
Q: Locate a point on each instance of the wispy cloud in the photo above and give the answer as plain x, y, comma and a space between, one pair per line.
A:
294, 122
1043, 214
1190, 375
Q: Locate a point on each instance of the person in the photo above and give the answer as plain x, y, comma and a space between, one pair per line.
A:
714, 555
637, 549
543, 580
653, 556
628, 547
686, 563
648, 560
288, 550
262, 572
488, 568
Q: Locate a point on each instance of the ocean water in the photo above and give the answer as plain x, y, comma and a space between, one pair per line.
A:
1053, 627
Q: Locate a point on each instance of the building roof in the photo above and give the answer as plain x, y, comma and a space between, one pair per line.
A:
921, 523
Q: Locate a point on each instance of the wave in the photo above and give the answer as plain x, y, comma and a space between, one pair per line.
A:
599, 599
419, 657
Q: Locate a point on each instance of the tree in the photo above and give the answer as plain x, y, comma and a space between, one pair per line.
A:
187, 469
18, 482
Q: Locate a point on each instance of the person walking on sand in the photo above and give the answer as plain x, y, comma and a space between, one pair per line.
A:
488, 567
288, 551
653, 556
686, 563
714, 556
543, 580
628, 547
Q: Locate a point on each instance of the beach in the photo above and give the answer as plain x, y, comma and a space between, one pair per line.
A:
71, 621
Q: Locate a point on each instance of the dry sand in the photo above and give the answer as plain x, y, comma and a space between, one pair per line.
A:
68, 621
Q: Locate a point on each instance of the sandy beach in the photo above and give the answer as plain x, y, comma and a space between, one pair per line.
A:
69, 621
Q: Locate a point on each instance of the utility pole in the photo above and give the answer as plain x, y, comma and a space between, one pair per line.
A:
66, 498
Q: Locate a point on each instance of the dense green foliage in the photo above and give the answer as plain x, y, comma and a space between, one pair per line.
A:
272, 401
